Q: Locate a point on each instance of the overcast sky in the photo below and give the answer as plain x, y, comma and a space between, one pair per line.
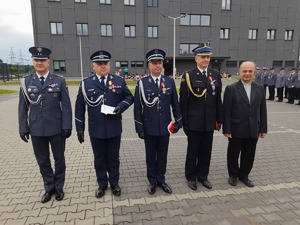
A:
16, 31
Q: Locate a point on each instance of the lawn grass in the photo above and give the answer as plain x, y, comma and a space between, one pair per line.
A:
7, 92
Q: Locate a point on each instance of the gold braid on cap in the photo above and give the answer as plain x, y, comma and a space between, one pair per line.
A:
191, 89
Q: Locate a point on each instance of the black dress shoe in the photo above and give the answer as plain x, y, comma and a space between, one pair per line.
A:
59, 194
101, 191
192, 185
232, 181
152, 189
116, 190
47, 196
297, 103
247, 182
166, 188
206, 184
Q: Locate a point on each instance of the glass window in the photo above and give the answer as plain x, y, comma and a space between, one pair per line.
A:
129, 2
277, 63
106, 29
186, 49
252, 34
56, 28
195, 20
82, 29
224, 33
226, 4
119, 64
129, 31
231, 64
288, 35
107, 2
153, 32
271, 34
53, 0
59, 65
82, 1
152, 3
137, 64
289, 64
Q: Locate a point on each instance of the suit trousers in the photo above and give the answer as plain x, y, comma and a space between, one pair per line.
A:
271, 92
246, 147
107, 159
156, 157
198, 155
52, 180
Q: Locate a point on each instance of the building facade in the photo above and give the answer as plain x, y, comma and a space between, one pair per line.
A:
265, 31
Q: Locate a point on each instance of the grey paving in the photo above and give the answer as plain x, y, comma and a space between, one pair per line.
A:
274, 200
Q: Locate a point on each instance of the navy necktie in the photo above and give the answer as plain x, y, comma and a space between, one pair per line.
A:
102, 82
156, 81
42, 80
204, 73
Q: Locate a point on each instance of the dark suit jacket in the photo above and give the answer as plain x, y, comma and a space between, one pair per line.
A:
116, 93
241, 118
155, 120
201, 114
52, 114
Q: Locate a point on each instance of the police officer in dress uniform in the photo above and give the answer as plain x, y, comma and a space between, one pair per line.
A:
264, 78
258, 75
106, 97
154, 97
280, 84
291, 81
45, 113
271, 80
201, 108
297, 86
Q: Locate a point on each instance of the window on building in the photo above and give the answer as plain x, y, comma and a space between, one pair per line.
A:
252, 34
226, 4
231, 64
82, 29
129, 31
277, 63
107, 2
129, 2
224, 33
56, 28
106, 29
137, 64
152, 3
120, 64
271, 34
288, 35
59, 65
289, 64
186, 49
53, 0
153, 32
82, 1
195, 20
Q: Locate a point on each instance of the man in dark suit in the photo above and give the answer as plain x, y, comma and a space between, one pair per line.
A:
154, 97
45, 113
106, 97
245, 120
201, 108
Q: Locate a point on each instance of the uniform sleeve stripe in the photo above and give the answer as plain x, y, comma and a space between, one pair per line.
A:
139, 122
126, 102
78, 120
179, 119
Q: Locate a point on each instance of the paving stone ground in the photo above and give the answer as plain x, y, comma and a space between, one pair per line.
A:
275, 199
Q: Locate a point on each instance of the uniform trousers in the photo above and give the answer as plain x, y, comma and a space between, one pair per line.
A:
198, 155
246, 147
291, 96
52, 180
156, 157
271, 92
280, 93
107, 159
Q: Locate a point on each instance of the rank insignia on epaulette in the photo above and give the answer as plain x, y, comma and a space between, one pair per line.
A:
182, 80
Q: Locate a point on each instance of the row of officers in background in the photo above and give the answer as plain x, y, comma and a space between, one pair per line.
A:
286, 84
45, 114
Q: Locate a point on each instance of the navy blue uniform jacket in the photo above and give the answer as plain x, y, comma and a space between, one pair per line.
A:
155, 120
52, 114
116, 93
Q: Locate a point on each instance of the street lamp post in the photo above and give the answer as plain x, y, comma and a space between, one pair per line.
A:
174, 35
